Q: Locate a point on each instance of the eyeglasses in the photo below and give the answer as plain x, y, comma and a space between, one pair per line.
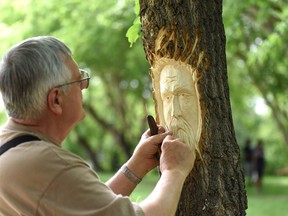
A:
84, 80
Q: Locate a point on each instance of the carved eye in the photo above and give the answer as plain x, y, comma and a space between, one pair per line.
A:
167, 97
182, 94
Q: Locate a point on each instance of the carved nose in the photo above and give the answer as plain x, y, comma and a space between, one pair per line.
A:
176, 111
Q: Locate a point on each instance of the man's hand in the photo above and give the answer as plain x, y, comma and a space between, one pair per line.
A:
143, 159
176, 162
176, 156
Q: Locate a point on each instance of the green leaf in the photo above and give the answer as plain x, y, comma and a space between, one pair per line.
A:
137, 7
133, 32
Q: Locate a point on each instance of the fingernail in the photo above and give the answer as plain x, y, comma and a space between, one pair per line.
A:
169, 132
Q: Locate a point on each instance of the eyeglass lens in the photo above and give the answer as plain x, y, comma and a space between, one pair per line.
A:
84, 79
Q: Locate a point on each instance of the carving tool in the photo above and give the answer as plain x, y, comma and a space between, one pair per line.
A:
154, 130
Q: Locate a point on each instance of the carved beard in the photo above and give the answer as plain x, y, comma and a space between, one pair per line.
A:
182, 129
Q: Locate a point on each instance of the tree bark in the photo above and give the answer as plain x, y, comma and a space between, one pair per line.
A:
192, 32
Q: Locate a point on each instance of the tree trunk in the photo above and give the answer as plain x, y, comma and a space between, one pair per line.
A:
191, 34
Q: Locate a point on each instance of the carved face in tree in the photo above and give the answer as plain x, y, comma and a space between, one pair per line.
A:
179, 108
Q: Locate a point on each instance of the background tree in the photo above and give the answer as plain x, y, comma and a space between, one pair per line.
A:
216, 184
258, 47
256, 53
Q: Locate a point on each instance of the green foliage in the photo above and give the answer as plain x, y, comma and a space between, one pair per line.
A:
134, 31
256, 56
3, 117
120, 84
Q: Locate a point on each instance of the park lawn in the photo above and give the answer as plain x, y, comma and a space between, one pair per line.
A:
272, 200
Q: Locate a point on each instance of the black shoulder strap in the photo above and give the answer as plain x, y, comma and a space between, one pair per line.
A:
16, 141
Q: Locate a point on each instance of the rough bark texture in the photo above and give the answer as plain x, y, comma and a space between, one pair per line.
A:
192, 31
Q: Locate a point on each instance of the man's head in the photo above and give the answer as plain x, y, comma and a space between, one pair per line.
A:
27, 73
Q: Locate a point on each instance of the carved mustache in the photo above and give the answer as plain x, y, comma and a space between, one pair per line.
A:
182, 129
179, 123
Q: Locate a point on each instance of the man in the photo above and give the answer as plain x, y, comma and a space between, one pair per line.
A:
248, 159
41, 86
258, 159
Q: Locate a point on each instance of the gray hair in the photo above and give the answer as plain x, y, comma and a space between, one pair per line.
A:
28, 71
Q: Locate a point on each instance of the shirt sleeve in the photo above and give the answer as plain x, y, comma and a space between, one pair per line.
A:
77, 191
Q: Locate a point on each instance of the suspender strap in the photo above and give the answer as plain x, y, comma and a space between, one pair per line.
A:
16, 141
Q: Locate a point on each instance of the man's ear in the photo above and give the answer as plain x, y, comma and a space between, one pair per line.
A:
54, 101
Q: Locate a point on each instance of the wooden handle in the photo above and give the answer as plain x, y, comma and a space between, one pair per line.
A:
152, 125
154, 130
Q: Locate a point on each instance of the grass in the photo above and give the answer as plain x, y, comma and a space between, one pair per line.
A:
272, 200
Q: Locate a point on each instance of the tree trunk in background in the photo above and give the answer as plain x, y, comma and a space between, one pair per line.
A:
193, 31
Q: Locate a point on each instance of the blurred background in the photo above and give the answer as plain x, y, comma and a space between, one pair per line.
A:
119, 96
